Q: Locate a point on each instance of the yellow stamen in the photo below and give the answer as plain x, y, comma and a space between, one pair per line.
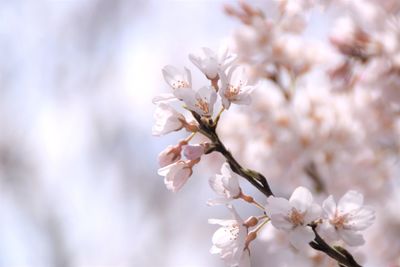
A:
203, 105
296, 217
180, 84
338, 221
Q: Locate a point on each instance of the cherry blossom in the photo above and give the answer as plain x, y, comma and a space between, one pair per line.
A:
201, 101
234, 87
212, 63
171, 154
229, 240
347, 218
167, 120
226, 185
179, 81
294, 215
177, 174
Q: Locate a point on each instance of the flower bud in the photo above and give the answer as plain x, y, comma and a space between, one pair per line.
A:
192, 152
170, 155
246, 198
251, 221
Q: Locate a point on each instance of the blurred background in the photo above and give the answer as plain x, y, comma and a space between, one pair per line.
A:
78, 168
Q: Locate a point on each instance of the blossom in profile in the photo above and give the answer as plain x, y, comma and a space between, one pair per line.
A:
171, 154
177, 174
178, 80
294, 215
234, 87
345, 220
229, 241
201, 101
167, 120
212, 63
226, 185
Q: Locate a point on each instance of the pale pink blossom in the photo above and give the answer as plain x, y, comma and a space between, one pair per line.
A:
226, 185
170, 155
176, 174
201, 101
346, 219
178, 80
167, 120
294, 215
234, 87
212, 63
229, 240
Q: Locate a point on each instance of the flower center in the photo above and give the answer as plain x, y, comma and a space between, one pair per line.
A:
232, 232
202, 105
296, 217
338, 221
180, 84
232, 91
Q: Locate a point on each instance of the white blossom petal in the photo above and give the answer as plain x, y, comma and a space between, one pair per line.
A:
300, 237
329, 206
361, 218
164, 98
222, 222
245, 259
276, 205
218, 201
281, 221
313, 213
352, 200
328, 231
301, 199
351, 238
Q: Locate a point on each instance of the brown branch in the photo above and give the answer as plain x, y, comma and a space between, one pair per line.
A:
207, 127
342, 256
312, 172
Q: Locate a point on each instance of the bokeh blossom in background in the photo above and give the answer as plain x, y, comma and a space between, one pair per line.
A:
276, 123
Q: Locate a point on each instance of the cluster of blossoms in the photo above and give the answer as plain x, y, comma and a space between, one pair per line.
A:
307, 225
227, 81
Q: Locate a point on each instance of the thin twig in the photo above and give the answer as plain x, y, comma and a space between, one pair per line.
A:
342, 256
